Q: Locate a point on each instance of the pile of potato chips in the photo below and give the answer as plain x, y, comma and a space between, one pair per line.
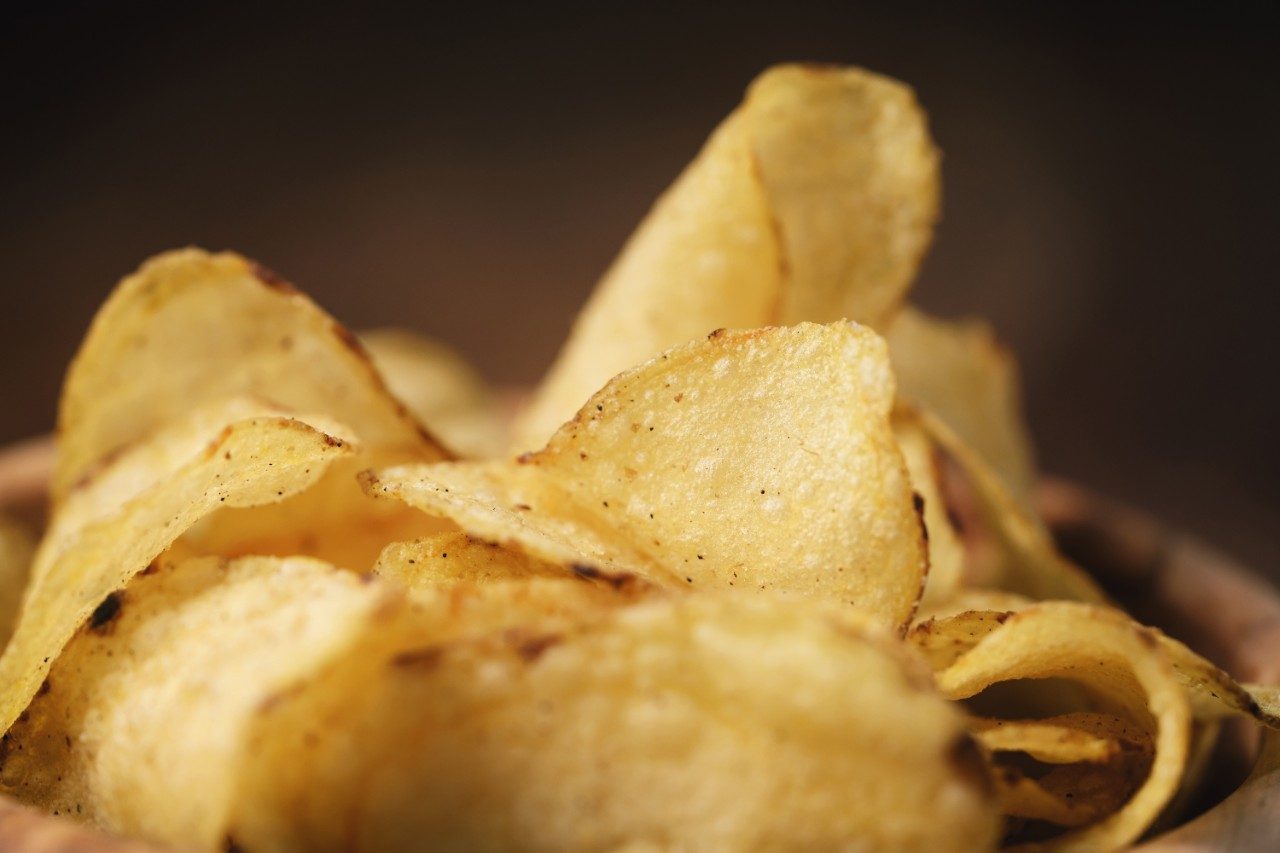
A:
756, 567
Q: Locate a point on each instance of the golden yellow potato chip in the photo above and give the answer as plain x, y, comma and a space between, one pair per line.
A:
959, 372
750, 460
16, 549
334, 521
76, 573
190, 328
1126, 673
142, 723
946, 551
1074, 795
440, 389
813, 201
1071, 738
700, 722
448, 559
950, 631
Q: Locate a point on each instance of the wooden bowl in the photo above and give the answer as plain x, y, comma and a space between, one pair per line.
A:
1163, 577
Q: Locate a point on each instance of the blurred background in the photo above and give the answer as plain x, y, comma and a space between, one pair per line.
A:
1112, 189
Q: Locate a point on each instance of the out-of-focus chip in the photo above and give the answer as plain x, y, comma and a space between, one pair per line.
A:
142, 724
614, 733
751, 460
1029, 562
77, 573
16, 549
958, 371
1126, 674
813, 201
946, 551
440, 389
973, 598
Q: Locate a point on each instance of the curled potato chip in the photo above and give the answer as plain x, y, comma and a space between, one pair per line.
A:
1063, 738
16, 549
751, 460
1073, 795
142, 722
334, 521
959, 372
612, 733
946, 551
440, 389
1127, 675
75, 573
190, 328
813, 201
945, 633
1030, 562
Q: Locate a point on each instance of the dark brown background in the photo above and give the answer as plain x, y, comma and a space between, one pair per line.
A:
1112, 190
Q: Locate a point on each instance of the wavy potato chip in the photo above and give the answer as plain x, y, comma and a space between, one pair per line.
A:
441, 390
75, 575
700, 722
752, 460
813, 201
1126, 673
960, 373
190, 328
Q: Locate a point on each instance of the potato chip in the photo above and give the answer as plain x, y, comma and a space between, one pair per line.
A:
190, 328
960, 373
1030, 562
946, 551
1127, 674
1073, 795
448, 559
813, 201
142, 722
699, 722
440, 389
334, 521
943, 636
75, 575
1063, 738
135, 469
751, 460
16, 549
